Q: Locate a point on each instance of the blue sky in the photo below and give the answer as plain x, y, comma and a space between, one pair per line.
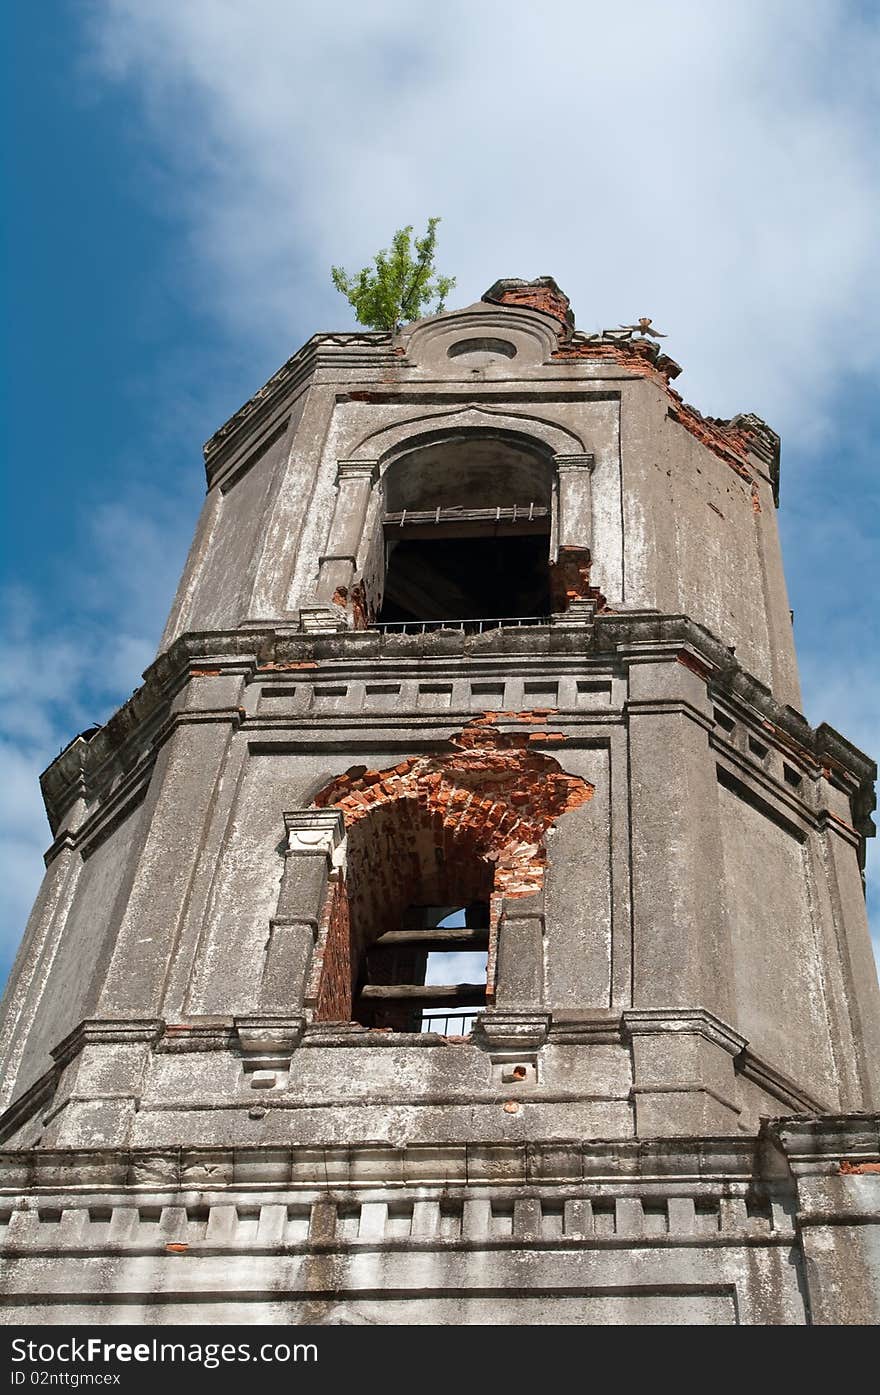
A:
183, 175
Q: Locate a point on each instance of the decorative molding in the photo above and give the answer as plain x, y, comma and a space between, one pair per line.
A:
107, 1032
369, 347
271, 1039
458, 1213
586, 1028
699, 1022
314, 830
583, 461
357, 470
816, 1142
773, 1082
502, 1030
322, 619
579, 613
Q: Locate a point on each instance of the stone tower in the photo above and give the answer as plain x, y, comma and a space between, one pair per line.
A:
482, 648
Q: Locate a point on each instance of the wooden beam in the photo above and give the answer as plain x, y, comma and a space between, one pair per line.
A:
425, 994
434, 939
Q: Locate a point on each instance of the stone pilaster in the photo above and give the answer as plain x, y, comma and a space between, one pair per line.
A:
354, 483
313, 837
575, 506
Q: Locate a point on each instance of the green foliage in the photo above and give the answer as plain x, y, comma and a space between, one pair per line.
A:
401, 287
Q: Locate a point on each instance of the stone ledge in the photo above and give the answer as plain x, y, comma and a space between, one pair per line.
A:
84, 766
557, 1161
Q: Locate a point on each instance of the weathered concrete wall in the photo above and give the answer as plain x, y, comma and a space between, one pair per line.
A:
670, 854
701, 540
778, 980
567, 1233
673, 524
65, 988
222, 591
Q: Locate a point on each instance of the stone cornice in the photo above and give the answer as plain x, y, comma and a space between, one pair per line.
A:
340, 349
87, 767
773, 1082
688, 1021
102, 1031
550, 1163
744, 440
822, 1146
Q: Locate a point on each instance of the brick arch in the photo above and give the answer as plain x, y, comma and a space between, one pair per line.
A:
467, 824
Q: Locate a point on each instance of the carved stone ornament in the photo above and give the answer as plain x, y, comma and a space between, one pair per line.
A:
314, 830
582, 461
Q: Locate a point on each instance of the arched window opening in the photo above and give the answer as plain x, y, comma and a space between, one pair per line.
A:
467, 533
436, 846
430, 974
411, 867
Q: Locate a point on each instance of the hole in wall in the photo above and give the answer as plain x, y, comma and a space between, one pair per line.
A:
470, 348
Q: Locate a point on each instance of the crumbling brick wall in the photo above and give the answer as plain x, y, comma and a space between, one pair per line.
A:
331, 987
448, 829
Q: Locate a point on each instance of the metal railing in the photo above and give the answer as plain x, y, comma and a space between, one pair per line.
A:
449, 1024
517, 513
468, 627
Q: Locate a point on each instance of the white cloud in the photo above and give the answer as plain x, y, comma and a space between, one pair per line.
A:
712, 166
61, 675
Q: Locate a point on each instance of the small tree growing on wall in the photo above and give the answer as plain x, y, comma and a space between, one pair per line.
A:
401, 287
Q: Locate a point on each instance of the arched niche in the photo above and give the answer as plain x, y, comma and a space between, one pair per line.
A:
461, 829
464, 503
467, 525
455, 516
477, 468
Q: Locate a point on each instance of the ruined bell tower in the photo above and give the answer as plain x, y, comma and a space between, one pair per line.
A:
461, 923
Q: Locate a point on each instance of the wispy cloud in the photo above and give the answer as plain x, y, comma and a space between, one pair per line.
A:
62, 673
712, 166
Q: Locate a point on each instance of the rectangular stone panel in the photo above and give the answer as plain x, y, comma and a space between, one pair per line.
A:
778, 980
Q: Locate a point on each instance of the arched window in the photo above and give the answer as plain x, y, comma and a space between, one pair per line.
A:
435, 848
467, 523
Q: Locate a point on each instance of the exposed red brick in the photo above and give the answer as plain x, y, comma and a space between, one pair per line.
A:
570, 579
464, 826
850, 1169
285, 668
639, 356
734, 443
205, 672
542, 294
363, 614
331, 984
690, 661
756, 499
355, 602
731, 443
470, 737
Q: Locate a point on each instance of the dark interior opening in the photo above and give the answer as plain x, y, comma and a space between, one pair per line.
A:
466, 578
429, 974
